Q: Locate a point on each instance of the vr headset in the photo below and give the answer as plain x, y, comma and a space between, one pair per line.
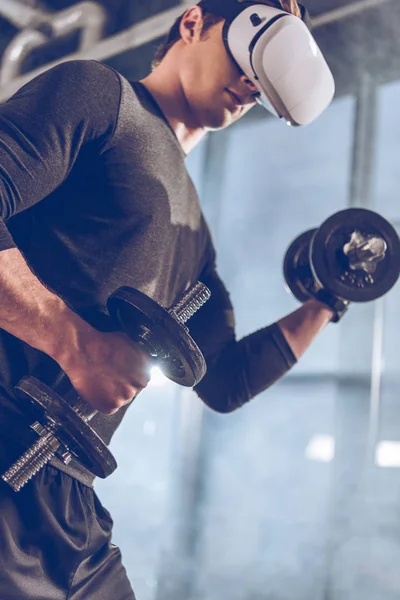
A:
276, 51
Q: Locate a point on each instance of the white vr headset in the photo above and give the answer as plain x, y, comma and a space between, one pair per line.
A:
277, 52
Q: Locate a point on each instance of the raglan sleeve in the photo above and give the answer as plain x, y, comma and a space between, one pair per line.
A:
44, 126
237, 370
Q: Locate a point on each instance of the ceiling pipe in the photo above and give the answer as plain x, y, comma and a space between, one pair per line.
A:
19, 14
88, 17
13, 55
338, 14
157, 26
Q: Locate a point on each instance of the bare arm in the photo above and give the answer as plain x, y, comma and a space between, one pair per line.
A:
106, 369
301, 327
43, 128
32, 313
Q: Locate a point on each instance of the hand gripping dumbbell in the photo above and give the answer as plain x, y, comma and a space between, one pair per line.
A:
62, 423
353, 257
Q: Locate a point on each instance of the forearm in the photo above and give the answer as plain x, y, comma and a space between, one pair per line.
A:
248, 367
34, 314
301, 327
245, 368
105, 369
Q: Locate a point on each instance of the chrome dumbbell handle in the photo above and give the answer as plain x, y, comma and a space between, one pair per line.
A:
30, 463
48, 445
42, 451
365, 252
190, 302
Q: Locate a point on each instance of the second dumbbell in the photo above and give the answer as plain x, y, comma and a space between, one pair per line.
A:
354, 255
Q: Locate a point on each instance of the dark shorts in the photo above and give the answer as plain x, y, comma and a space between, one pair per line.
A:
55, 540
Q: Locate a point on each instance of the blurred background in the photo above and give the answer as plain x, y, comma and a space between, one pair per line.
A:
295, 496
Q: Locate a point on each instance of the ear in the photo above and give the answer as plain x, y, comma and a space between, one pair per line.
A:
191, 25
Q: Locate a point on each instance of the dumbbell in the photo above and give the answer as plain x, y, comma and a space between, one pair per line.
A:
62, 423
354, 256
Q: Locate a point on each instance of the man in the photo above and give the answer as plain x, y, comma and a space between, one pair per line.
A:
94, 194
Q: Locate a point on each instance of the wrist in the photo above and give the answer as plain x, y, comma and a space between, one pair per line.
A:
316, 307
65, 334
302, 326
337, 305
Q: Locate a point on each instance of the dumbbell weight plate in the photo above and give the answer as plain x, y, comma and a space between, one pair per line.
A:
168, 341
50, 409
296, 267
330, 264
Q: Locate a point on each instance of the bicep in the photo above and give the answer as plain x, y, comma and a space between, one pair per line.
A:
236, 370
224, 387
213, 326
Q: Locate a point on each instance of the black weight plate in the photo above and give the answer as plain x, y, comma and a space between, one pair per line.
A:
176, 353
330, 264
297, 270
70, 429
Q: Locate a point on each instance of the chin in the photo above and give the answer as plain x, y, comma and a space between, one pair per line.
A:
216, 120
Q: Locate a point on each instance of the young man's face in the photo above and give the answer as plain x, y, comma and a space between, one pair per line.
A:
217, 92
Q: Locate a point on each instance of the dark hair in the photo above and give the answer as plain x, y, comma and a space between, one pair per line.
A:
209, 19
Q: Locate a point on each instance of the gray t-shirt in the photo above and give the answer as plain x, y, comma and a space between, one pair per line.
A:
94, 191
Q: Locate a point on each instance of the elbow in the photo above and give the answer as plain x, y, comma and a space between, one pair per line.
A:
222, 397
220, 405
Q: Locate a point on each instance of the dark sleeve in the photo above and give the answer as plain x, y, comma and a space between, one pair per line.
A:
44, 126
236, 370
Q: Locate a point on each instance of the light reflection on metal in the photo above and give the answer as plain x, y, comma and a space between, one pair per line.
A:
89, 17
20, 15
13, 55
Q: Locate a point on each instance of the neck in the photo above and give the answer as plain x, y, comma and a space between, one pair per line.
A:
165, 87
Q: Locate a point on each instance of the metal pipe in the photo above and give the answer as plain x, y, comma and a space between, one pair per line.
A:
14, 54
156, 27
364, 142
134, 37
346, 11
20, 15
88, 16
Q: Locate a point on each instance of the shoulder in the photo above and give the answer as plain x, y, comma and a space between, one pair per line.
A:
73, 79
85, 87
82, 94
83, 74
